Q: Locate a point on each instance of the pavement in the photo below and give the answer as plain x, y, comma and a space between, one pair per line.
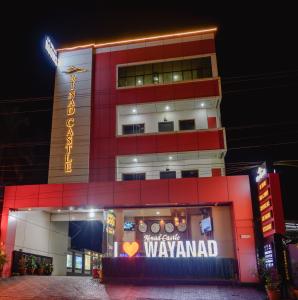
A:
73, 287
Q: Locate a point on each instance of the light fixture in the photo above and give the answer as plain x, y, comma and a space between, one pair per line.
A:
29, 209
183, 221
59, 210
91, 214
158, 212
70, 208
202, 104
167, 107
135, 160
161, 222
134, 110
170, 157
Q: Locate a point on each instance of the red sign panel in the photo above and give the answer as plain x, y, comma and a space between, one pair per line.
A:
270, 205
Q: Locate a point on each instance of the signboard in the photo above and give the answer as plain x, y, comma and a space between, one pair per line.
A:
270, 204
51, 50
168, 247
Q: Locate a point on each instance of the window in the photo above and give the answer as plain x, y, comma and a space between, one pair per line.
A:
167, 174
165, 72
165, 126
189, 173
133, 176
186, 124
133, 128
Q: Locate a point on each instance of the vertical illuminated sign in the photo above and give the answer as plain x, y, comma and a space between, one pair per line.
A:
51, 50
70, 118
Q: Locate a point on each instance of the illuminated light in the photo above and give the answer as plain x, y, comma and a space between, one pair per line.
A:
181, 248
265, 205
135, 160
179, 34
141, 221
267, 227
170, 157
263, 184
266, 216
140, 82
29, 209
130, 248
71, 208
183, 221
134, 110
91, 214
158, 212
51, 50
161, 221
176, 77
202, 104
167, 107
264, 195
262, 172
58, 210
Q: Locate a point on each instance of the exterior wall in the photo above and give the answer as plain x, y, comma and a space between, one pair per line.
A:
36, 234
151, 120
153, 168
234, 190
105, 145
81, 139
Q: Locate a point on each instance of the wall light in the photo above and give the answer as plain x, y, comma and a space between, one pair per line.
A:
158, 212
202, 104
170, 157
91, 214
134, 110
167, 107
59, 210
135, 160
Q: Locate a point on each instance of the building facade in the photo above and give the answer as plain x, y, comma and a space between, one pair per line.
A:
137, 137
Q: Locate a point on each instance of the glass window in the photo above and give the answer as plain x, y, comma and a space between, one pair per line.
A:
87, 262
69, 261
187, 124
78, 262
165, 126
139, 80
133, 128
177, 76
187, 75
167, 77
167, 174
189, 173
133, 176
165, 72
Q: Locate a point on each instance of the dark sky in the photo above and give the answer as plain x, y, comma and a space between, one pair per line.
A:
257, 61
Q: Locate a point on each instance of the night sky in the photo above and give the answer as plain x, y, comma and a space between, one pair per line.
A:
257, 60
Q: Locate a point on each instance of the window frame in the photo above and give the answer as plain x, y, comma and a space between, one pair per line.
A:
172, 172
140, 173
194, 122
211, 55
133, 132
162, 122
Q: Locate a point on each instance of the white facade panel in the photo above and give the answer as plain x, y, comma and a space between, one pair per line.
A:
36, 234
152, 165
81, 130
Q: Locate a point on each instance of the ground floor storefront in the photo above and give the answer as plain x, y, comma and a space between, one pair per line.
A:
72, 288
191, 228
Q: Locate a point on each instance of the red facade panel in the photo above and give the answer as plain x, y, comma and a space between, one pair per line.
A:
216, 172
101, 194
75, 194
184, 190
127, 193
27, 196
154, 192
50, 195
213, 189
211, 122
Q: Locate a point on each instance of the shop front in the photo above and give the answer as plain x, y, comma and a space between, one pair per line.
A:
177, 243
192, 228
